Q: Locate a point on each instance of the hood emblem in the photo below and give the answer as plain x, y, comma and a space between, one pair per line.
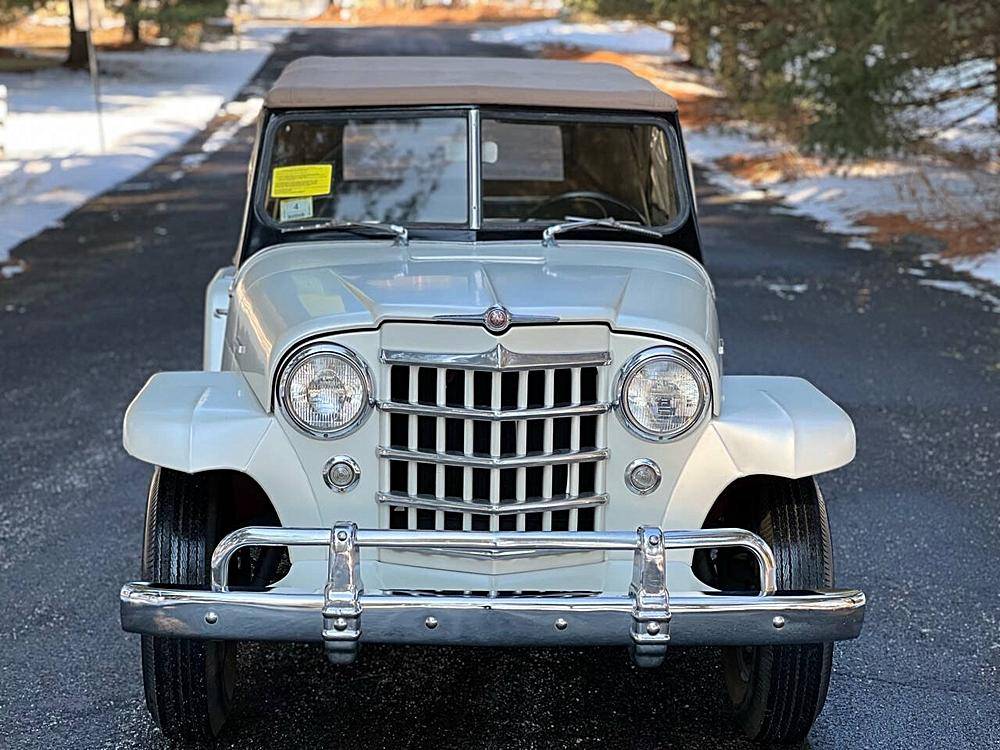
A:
496, 319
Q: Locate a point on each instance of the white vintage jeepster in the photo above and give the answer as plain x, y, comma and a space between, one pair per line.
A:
464, 385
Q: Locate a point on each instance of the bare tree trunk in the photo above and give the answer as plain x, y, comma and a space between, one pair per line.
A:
133, 22
78, 56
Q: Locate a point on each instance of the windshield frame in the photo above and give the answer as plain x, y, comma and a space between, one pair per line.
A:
261, 231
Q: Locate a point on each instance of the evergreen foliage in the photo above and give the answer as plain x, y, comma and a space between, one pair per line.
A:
14, 10
844, 77
175, 19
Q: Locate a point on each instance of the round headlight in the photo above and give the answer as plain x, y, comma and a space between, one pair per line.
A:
664, 393
325, 390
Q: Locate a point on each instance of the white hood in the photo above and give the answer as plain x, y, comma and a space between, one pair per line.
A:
292, 292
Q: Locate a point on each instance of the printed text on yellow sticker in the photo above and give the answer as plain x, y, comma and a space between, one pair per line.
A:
301, 180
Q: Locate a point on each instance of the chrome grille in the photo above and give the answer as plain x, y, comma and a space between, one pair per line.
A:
497, 441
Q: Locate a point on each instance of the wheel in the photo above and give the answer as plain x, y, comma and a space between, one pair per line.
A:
778, 691
188, 683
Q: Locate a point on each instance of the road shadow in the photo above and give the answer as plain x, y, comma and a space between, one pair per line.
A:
472, 697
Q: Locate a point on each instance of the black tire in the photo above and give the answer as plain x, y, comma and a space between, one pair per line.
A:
778, 691
188, 683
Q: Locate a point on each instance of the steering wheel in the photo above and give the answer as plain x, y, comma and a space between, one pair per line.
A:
601, 200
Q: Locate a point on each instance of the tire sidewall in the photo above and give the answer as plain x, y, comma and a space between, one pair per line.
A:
177, 550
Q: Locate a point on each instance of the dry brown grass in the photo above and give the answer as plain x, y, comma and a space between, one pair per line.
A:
33, 36
787, 165
972, 236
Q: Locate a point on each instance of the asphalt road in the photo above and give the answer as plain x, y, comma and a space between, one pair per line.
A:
116, 294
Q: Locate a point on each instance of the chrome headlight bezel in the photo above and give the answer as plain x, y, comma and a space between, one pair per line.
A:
330, 350
635, 363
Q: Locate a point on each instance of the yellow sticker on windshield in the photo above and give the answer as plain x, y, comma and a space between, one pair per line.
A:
301, 181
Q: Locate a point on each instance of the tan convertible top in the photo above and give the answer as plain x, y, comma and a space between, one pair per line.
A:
388, 81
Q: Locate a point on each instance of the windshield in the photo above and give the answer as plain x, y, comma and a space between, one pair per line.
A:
547, 171
413, 168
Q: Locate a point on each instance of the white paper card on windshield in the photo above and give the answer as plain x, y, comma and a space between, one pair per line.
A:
295, 209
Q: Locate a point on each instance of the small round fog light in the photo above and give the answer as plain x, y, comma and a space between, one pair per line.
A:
642, 476
341, 473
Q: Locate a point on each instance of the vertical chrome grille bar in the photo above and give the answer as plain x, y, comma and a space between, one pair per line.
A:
547, 443
522, 445
439, 446
467, 448
495, 403
411, 441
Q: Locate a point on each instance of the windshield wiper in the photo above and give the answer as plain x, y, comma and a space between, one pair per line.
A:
360, 227
577, 222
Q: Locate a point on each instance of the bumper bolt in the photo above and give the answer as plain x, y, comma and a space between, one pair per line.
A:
653, 628
654, 540
211, 618
342, 536
561, 624
778, 622
340, 624
431, 623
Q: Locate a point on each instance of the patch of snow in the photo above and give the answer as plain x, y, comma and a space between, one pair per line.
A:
964, 288
614, 36
709, 145
284, 9
244, 113
985, 267
9, 270
788, 291
153, 101
840, 197
964, 122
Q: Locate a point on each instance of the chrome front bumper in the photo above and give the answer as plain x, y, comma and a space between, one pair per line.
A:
646, 619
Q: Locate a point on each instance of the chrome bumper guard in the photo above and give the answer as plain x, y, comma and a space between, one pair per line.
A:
646, 619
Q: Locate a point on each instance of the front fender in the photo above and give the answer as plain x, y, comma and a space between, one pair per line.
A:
783, 426
779, 426
195, 421
203, 421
